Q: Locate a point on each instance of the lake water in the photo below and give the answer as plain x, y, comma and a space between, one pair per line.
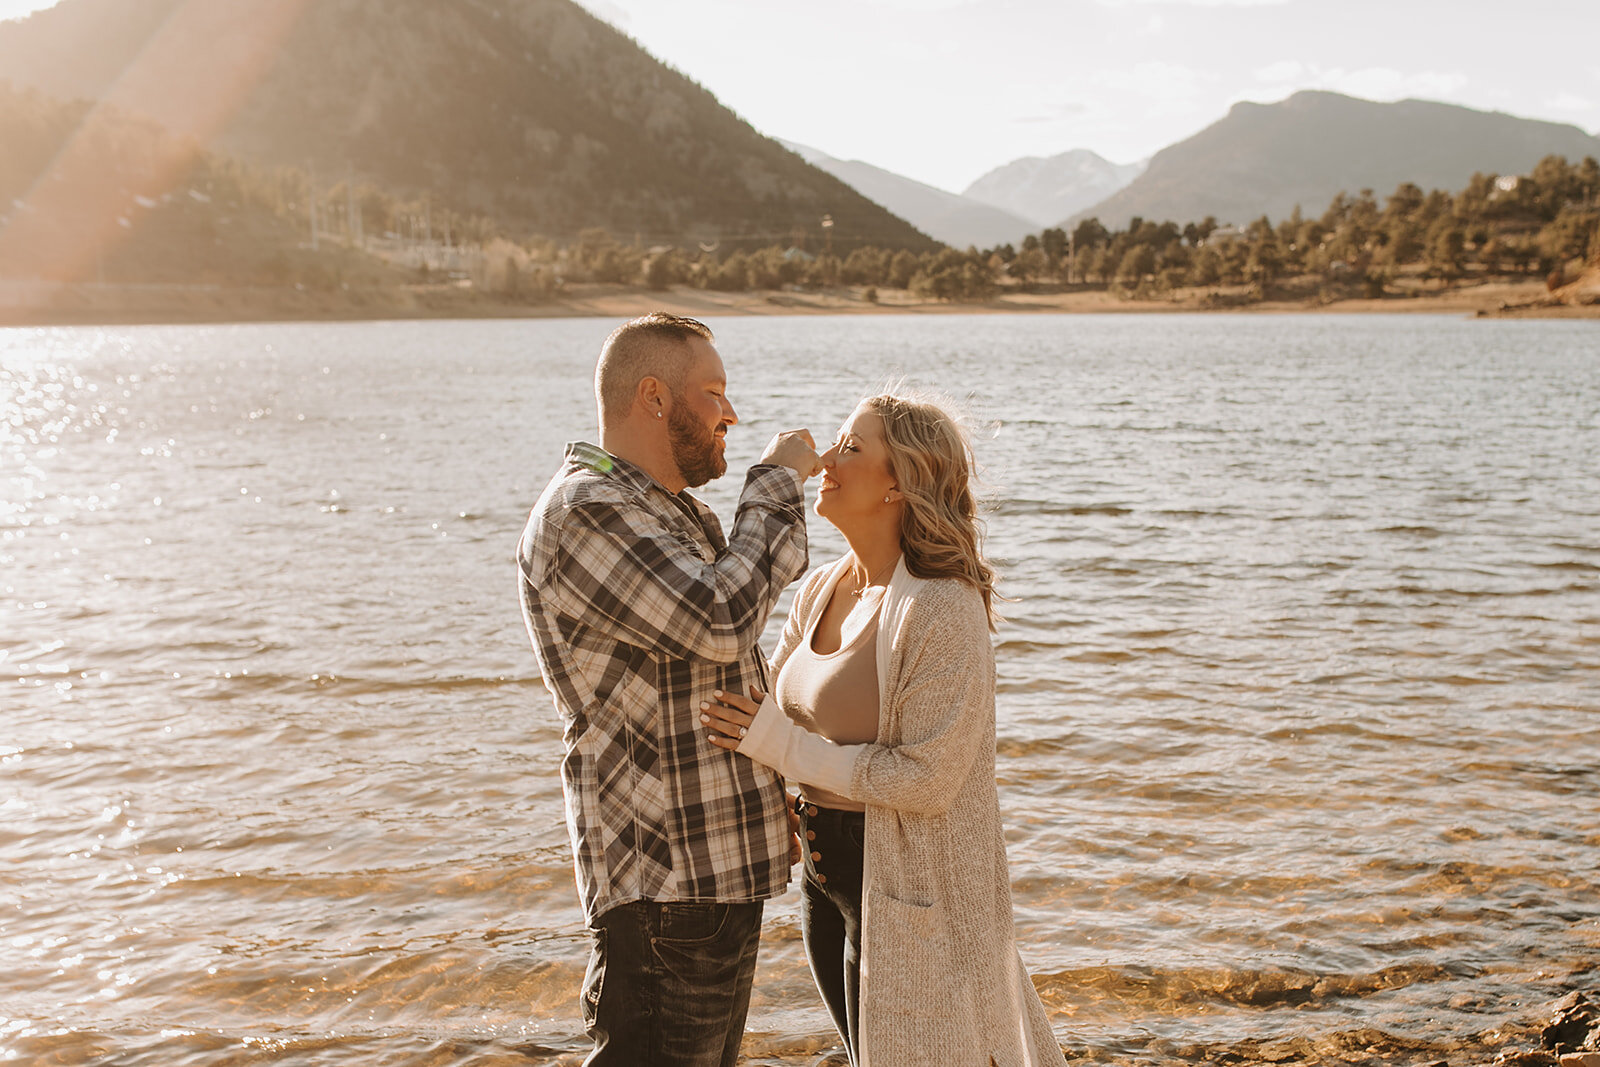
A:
1299, 720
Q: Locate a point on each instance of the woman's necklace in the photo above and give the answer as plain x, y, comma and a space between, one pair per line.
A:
858, 593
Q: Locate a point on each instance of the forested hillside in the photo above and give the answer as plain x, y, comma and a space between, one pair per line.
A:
92, 195
530, 112
1268, 159
1540, 223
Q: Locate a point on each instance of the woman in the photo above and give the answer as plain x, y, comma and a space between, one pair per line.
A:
883, 709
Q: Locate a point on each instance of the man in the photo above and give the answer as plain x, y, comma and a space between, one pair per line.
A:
639, 609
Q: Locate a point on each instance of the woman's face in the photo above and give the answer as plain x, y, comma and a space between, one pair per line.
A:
855, 471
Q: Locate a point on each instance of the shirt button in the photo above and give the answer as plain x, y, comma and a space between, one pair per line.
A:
816, 856
822, 879
811, 835
811, 809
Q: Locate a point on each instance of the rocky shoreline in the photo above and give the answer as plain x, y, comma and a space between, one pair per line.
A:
1566, 1034
1570, 1039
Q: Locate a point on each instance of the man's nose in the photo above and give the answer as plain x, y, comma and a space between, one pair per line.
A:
729, 416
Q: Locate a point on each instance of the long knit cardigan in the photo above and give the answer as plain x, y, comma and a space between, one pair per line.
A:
941, 980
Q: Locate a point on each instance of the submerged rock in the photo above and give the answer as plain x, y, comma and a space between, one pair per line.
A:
1575, 1027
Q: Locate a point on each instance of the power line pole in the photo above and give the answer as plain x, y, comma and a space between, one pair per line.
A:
352, 210
312, 193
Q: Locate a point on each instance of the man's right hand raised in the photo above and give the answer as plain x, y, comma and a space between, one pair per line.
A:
796, 450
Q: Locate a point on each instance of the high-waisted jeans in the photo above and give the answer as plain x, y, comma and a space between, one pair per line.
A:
830, 912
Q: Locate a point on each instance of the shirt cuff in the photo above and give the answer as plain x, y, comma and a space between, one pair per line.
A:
776, 486
793, 751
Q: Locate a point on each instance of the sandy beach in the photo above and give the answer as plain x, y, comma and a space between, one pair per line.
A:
40, 304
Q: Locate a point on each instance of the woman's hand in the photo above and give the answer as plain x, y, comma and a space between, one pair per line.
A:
730, 716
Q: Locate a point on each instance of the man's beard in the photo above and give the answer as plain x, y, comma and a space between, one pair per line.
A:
694, 447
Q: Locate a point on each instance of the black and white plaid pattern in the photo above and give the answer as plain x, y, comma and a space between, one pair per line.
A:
638, 608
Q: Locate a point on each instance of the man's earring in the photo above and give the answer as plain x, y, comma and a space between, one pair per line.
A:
658, 414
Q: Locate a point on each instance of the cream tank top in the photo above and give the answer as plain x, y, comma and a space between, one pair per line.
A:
835, 694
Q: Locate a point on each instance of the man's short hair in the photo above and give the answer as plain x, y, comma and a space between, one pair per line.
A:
652, 346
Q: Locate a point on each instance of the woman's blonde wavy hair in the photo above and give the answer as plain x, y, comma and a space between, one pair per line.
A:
931, 458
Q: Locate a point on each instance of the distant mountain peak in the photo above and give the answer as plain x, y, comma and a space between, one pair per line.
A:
1267, 159
958, 221
1048, 189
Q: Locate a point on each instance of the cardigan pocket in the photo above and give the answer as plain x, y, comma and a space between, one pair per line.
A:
917, 1008
908, 953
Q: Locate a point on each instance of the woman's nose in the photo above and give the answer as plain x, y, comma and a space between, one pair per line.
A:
827, 458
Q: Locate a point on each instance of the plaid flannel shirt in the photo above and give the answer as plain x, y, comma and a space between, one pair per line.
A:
638, 608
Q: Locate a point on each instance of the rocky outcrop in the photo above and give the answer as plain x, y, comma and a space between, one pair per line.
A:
1570, 1039
1575, 1026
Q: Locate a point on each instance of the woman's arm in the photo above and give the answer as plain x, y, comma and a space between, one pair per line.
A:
945, 700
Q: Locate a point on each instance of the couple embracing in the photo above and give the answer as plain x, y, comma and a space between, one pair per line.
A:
878, 705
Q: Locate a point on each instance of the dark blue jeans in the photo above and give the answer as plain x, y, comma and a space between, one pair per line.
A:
830, 913
668, 984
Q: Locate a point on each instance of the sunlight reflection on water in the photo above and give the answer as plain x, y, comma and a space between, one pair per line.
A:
1298, 688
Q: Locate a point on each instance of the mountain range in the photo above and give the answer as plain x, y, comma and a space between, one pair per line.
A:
547, 121
1268, 159
1259, 159
957, 220
1001, 207
530, 112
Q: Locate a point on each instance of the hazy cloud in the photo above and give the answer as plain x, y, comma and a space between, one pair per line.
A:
1372, 83
1284, 70
920, 7
1569, 102
1056, 113
1166, 82
1192, 3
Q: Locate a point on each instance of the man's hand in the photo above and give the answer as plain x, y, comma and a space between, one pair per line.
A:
795, 855
796, 450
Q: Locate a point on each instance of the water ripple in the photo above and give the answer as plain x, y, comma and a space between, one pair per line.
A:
1297, 732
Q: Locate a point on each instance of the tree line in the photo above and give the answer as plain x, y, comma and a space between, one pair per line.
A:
946, 274
1535, 224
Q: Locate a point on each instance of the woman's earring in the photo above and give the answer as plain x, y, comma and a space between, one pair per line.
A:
658, 414
886, 500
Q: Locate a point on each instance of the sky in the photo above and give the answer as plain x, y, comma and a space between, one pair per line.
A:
945, 90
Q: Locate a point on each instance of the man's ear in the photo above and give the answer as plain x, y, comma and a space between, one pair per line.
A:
652, 397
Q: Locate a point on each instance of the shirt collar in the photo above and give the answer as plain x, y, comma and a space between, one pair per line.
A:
597, 459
